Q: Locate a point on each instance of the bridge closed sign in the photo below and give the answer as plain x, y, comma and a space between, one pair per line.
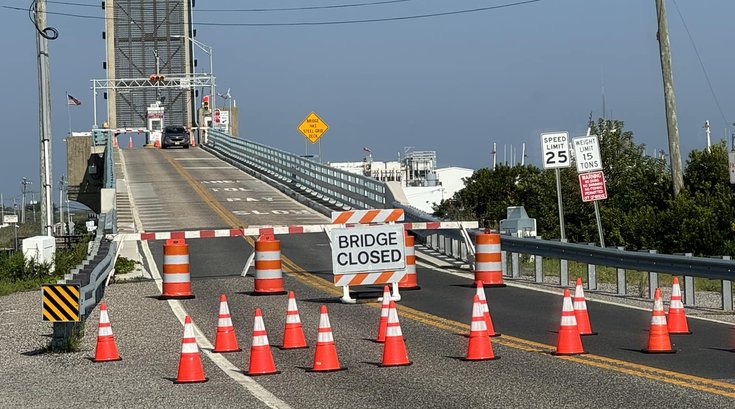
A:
367, 249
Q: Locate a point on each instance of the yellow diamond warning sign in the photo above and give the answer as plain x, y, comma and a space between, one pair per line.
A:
313, 127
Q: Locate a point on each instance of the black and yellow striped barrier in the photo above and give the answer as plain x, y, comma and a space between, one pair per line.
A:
60, 302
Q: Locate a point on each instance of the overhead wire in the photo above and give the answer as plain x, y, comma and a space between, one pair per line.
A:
317, 23
268, 9
701, 63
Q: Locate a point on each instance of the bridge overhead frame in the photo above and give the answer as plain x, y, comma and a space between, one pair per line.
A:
146, 37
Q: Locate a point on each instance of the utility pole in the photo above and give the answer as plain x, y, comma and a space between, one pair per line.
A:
671, 122
25, 184
61, 204
43, 34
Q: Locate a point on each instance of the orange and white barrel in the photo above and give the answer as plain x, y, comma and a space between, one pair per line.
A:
176, 276
268, 272
488, 265
410, 280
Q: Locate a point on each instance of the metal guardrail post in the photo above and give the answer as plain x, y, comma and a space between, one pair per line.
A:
591, 274
689, 287
564, 271
622, 279
726, 292
652, 280
539, 265
504, 262
515, 264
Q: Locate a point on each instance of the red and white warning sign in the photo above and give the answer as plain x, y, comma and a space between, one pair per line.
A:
592, 186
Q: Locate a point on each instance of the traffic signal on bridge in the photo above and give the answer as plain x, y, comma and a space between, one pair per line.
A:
156, 78
205, 102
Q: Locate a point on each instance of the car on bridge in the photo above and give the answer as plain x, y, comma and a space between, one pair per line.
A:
175, 135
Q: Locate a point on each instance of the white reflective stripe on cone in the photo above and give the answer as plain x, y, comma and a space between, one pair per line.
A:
676, 304
267, 255
293, 319
224, 322
488, 266
268, 274
325, 337
175, 259
487, 248
189, 348
176, 278
568, 321
479, 325
658, 320
260, 340
104, 331
580, 305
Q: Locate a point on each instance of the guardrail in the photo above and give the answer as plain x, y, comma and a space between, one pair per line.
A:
343, 189
452, 244
100, 259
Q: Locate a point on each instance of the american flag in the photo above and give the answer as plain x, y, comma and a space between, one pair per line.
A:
72, 101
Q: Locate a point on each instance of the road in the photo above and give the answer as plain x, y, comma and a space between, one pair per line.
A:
189, 189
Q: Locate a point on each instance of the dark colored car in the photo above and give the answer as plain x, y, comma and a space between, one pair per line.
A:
175, 136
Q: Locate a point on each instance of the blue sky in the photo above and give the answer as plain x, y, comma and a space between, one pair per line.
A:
454, 84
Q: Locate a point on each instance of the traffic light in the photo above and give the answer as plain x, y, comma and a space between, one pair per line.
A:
205, 102
156, 77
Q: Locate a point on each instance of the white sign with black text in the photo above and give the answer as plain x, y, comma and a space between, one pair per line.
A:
587, 153
555, 147
368, 249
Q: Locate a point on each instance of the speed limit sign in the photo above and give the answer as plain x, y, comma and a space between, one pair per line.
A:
555, 147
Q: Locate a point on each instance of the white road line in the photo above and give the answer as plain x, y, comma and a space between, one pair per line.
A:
255, 389
209, 167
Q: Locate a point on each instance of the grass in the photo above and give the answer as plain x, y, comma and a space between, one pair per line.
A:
124, 265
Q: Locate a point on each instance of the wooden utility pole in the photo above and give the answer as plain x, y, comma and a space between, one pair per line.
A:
671, 122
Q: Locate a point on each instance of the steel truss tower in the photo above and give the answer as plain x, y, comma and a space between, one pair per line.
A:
145, 38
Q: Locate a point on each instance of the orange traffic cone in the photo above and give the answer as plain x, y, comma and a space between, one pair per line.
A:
225, 340
569, 342
190, 364
114, 142
677, 318
394, 348
658, 336
384, 315
580, 310
106, 349
485, 309
479, 347
293, 334
261, 358
325, 356
157, 143
130, 142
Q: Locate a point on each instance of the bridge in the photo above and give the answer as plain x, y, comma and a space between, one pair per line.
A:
232, 183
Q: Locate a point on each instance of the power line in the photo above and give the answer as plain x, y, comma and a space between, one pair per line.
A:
317, 23
330, 6
701, 63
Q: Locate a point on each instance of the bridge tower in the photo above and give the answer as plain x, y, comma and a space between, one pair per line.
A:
145, 38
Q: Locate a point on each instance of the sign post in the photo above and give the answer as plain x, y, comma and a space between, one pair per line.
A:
313, 128
591, 178
555, 151
731, 162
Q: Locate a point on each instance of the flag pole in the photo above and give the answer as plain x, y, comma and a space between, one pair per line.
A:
68, 111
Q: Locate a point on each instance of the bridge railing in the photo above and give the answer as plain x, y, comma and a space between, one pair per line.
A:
340, 188
451, 243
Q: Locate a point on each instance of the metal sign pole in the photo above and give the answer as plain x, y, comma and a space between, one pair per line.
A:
561, 205
599, 224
